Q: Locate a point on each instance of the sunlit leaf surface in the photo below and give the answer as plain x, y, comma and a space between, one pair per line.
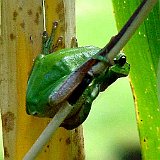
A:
143, 53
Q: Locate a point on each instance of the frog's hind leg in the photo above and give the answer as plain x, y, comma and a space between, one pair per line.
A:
84, 104
78, 119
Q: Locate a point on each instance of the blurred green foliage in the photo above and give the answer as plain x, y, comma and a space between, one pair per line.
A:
110, 129
143, 54
111, 126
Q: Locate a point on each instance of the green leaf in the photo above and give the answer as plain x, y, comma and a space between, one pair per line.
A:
143, 53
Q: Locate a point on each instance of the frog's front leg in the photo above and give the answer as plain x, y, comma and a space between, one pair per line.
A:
82, 108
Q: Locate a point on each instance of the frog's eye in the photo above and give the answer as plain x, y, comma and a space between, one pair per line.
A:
121, 60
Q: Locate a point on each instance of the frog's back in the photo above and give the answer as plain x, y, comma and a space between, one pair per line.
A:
50, 71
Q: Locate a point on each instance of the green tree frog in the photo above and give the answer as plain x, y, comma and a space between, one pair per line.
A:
66, 75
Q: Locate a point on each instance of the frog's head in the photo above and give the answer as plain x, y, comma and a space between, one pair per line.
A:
121, 66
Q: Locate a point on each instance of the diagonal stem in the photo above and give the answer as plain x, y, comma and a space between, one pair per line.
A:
117, 44
48, 131
131, 26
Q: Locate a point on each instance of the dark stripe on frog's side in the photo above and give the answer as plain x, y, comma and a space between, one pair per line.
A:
80, 89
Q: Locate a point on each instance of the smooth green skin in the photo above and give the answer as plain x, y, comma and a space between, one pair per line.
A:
51, 70
49, 73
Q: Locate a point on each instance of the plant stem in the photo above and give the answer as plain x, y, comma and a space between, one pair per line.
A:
117, 42
48, 131
130, 30
66, 108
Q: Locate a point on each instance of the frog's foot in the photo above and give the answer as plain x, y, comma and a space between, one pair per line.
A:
74, 43
48, 41
59, 44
